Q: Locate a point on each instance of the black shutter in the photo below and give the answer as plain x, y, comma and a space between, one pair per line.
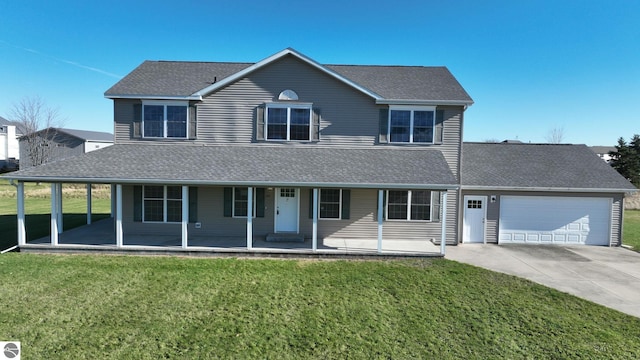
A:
260, 202
435, 206
260, 123
193, 111
193, 204
137, 121
346, 204
311, 202
439, 126
137, 203
228, 202
384, 126
315, 126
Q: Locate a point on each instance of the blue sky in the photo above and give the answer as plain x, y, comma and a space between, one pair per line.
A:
530, 66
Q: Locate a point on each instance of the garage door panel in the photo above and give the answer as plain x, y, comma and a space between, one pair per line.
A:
557, 220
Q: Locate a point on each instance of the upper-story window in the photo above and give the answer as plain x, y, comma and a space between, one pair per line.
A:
288, 122
164, 119
411, 125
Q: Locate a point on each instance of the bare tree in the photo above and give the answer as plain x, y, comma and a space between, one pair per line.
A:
555, 135
38, 123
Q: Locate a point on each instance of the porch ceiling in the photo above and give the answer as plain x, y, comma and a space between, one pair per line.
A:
256, 165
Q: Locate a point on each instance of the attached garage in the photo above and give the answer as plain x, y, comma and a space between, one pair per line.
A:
555, 220
540, 194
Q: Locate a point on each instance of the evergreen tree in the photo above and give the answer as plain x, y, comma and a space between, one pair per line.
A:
626, 159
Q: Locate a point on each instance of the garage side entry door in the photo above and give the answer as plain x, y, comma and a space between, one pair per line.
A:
554, 220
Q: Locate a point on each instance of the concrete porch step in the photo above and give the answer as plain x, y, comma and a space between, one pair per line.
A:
285, 237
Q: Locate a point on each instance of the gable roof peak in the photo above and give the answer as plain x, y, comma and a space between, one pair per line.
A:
275, 57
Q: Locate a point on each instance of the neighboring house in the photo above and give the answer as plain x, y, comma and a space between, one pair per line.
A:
64, 143
603, 152
9, 149
206, 152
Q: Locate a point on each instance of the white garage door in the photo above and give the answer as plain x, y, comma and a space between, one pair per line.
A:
554, 220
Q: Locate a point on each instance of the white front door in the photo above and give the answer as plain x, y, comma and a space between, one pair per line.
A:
475, 213
287, 209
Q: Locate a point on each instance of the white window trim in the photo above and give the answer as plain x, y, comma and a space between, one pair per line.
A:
233, 204
288, 106
164, 120
412, 109
409, 197
339, 206
164, 206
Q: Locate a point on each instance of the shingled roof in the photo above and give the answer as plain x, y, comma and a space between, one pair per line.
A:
251, 165
167, 79
537, 166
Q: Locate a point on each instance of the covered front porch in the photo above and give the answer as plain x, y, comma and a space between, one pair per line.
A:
192, 198
100, 237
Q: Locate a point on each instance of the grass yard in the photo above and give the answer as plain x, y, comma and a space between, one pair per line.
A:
631, 229
89, 307
38, 209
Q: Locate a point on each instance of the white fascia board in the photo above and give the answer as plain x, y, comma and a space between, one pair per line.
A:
546, 189
423, 102
234, 183
154, 97
274, 57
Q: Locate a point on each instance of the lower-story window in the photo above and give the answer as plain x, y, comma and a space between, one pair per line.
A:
162, 203
241, 202
409, 205
330, 200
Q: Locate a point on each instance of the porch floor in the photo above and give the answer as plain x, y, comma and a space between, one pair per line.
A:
100, 237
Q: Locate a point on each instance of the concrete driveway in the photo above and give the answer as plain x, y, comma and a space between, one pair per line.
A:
607, 276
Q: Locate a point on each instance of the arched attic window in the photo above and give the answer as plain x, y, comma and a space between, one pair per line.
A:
289, 95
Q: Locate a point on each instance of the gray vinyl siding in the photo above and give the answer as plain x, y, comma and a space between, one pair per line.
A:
617, 212
363, 221
348, 117
493, 211
123, 118
362, 224
210, 215
229, 115
452, 137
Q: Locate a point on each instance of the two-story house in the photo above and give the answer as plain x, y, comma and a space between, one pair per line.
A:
212, 155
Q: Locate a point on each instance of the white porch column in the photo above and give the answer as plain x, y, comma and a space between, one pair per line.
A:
119, 242
54, 214
88, 204
314, 236
380, 218
22, 234
443, 240
60, 212
113, 200
185, 216
250, 218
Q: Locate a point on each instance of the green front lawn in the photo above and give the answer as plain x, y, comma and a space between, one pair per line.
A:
130, 307
631, 229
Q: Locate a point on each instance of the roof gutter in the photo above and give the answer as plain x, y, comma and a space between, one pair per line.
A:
547, 189
234, 183
153, 97
424, 102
